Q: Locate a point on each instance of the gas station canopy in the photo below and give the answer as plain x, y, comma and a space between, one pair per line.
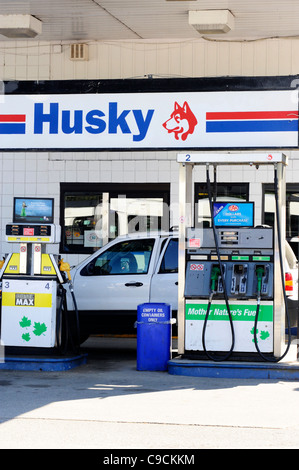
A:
92, 20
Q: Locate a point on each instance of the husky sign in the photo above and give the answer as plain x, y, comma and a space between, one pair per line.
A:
132, 121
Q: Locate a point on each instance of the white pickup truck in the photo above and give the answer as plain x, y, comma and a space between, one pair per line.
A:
128, 271
135, 269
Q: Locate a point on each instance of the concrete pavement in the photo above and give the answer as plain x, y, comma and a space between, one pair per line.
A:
108, 404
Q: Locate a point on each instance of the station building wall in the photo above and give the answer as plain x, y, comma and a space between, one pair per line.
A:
40, 173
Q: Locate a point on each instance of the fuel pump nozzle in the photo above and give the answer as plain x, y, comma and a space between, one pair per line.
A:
65, 267
214, 277
260, 272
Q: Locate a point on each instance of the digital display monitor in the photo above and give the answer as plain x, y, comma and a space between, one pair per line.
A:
233, 214
33, 210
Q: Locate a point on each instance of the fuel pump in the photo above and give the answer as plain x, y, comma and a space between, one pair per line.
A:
232, 295
34, 316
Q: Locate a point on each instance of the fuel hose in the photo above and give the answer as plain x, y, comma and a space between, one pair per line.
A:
215, 357
268, 358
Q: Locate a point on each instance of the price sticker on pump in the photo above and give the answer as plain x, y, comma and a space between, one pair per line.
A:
194, 242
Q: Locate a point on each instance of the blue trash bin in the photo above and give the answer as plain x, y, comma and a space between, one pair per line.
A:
153, 336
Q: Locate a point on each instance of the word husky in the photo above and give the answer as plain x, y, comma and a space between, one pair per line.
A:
182, 121
94, 121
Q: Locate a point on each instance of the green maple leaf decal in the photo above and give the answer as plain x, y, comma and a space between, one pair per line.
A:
264, 335
39, 329
25, 322
26, 337
252, 330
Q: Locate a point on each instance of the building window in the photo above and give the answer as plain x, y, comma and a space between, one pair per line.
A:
292, 212
222, 192
93, 214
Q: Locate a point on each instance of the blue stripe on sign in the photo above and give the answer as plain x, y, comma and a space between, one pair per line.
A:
252, 126
14, 128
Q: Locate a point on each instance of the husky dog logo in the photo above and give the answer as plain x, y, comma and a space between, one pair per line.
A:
182, 121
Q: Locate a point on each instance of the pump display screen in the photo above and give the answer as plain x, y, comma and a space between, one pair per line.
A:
33, 210
233, 214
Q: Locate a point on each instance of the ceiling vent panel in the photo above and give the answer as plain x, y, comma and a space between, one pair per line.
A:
79, 52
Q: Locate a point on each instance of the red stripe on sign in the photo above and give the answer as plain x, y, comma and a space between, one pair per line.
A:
252, 115
12, 117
